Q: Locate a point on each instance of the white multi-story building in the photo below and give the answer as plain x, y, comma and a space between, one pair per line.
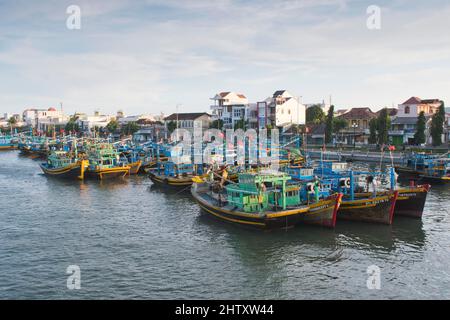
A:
282, 109
413, 106
87, 123
230, 107
42, 119
124, 120
404, 125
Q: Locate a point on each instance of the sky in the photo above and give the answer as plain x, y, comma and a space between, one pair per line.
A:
148, 56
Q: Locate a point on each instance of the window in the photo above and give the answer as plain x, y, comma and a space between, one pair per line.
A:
407, 110
289, 111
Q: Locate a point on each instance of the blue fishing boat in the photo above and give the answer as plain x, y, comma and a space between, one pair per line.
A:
63, 164
104, 162
172, 175
356, 204
264, 200
435, 168
7, 143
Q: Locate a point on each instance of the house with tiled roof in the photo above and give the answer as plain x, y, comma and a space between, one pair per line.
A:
189, 121
404, 124
230, 107
414, 105
358, 120
282, 109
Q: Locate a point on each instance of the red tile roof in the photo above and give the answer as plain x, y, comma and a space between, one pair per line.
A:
185, 116
413, 100
359, 113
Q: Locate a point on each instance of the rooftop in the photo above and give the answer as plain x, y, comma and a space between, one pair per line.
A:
359, 113
185, 116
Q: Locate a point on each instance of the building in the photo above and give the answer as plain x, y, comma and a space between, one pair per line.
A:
282, 109
44, 120
414, 105
138, 119
230, 107
88, 123
151, 132
358, 129
189, 121
404, 124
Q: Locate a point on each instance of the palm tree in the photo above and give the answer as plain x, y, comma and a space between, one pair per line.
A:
12, 121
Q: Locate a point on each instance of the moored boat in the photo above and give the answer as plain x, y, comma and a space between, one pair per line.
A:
169, 174
7, 143
377, 209
62, 165
265, 201
104, 162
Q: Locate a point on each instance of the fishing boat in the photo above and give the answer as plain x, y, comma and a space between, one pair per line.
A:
130, 159
34, 147
63, 164
356, 204
7, 143
434, 168
169, 174
411, 199
104, 162
264, 200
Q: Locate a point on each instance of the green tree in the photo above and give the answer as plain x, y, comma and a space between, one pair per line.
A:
130, 128
383, 125
112, 126
437, 126
171, 126
329, 125
217, 124
240, 124
72, 125
419, 136
339, 124
315, 115
373, 127
12, 122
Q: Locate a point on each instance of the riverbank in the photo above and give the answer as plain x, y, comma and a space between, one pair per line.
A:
368, 156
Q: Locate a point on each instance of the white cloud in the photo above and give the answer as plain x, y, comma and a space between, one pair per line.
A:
129, 55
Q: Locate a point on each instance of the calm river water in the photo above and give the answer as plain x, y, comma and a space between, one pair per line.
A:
131, 240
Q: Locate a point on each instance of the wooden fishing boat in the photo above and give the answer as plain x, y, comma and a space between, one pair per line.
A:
379, 209
7, 143
151, 163
104, 162
173, 175
433, 168
62, 164
264, 201
410, 201
135, 166
324, 212
376, 207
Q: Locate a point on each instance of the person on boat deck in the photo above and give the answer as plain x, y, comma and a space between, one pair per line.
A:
371, 181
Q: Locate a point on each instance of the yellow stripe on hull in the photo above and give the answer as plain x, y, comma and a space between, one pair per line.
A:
104, 173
